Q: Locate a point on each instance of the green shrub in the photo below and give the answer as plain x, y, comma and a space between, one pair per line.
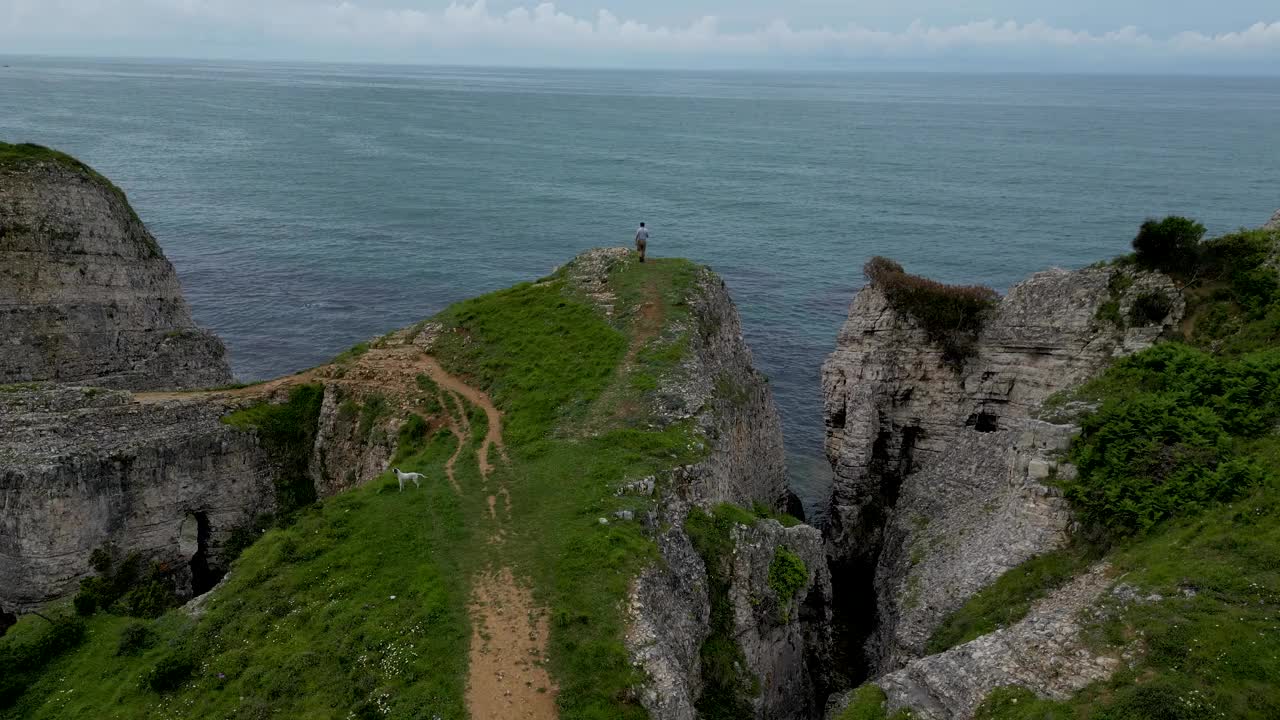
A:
1169, 245
124, 588
412, 437
134, 638
787, 574
1165, 440
1150, 308
952, 316
149, 599
169, 672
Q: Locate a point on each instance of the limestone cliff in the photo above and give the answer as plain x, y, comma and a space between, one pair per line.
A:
81, 467
940, 472
781, 639
86, 295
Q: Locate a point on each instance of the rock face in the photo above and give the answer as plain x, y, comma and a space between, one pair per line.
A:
718, 387
86, 295
1273, 223
1043, 653
940, 475
81, 467
786, 641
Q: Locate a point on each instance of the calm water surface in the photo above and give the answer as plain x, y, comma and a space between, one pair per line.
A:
308, 207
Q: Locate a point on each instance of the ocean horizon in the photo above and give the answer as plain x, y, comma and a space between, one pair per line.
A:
310, 206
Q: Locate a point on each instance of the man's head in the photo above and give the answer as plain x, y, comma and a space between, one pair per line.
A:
641, 224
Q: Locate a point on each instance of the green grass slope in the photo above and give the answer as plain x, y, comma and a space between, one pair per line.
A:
358, 607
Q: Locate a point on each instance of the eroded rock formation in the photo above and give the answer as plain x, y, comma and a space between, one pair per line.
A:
940, 474
81, 467
86, 295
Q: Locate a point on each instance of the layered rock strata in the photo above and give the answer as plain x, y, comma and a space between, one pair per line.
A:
942, 477
86, 295
82, 467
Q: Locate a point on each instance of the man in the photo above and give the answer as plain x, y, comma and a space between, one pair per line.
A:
642, 240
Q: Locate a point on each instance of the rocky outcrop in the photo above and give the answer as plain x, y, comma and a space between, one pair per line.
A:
786, 640
734, 406
717, 387
1273, 223
1044, 652
82, 467
86, 295
941, 474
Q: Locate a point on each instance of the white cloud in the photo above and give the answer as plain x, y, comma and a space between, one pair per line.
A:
474, 27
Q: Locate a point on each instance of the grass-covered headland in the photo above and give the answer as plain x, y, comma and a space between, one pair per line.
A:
357, 606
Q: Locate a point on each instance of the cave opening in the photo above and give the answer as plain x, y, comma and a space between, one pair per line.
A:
202, 577
983, 421
7, 620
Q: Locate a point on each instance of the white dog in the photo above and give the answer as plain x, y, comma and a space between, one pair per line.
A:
403, 476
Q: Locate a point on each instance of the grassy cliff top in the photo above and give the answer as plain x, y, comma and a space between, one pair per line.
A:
372, 603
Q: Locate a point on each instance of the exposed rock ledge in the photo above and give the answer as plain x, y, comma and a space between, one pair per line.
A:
1044, 653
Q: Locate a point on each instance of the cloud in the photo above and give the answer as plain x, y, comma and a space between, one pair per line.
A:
463, 29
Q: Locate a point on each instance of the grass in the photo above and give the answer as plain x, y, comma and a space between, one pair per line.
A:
1210, 645
306, 625
868, 703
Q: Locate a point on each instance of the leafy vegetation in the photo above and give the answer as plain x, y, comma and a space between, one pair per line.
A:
726, 689
952, 316
868, 703
123, 587
1170, 245
287, 431
787, 573
1169, 437
1150, 308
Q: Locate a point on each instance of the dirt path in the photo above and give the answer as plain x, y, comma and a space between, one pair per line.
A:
492, 438
507, 678
508, 675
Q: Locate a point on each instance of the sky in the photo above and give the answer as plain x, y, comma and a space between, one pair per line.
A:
1192, 36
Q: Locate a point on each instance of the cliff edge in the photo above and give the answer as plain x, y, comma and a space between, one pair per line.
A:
86, 295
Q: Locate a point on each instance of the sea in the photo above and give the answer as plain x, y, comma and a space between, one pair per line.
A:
310, 206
